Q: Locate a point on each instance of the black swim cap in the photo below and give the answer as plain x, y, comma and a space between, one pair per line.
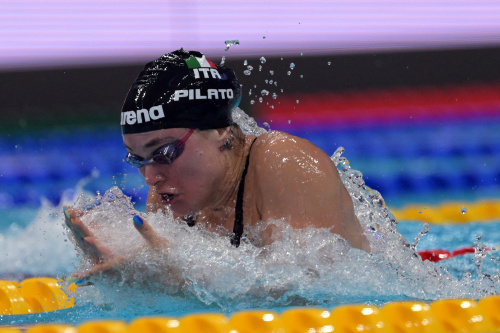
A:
181, 89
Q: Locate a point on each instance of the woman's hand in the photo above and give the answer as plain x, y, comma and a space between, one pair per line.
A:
104, 260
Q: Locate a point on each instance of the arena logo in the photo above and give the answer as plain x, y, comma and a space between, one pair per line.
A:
197, 94
132, 117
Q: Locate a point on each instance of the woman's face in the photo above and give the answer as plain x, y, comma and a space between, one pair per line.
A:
192, 182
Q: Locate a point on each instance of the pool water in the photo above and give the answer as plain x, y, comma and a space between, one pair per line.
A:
323, 271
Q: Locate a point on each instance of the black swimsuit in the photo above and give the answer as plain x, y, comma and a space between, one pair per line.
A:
238, 209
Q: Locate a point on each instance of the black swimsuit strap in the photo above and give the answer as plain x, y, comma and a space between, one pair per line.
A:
238, 210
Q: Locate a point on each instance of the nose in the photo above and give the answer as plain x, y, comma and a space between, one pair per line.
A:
152, 174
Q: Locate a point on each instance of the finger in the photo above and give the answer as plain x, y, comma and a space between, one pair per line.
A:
102, 267
74, 212
149, 234
99, 251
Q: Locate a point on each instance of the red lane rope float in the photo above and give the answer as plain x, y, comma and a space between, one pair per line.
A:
463, 101
436, 255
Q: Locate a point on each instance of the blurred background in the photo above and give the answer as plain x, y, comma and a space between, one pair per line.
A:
410, 89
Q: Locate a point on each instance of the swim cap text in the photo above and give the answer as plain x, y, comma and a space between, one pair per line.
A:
197, 94
214, 74
143, 115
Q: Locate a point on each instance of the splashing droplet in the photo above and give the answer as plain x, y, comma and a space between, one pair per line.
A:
250, 67
247, 72
264, 92
230, 43
292, 65
262, 60
463, 210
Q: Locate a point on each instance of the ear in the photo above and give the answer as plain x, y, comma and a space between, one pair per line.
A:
224, 133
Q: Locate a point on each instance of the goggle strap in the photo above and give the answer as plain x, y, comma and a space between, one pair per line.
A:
184, 139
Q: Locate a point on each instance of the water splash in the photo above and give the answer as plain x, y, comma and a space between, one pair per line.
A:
217, 276
230, 43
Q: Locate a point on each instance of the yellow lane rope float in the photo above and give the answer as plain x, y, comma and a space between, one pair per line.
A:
450, 212
448, 315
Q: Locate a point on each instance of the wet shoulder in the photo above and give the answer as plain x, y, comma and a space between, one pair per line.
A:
276, 146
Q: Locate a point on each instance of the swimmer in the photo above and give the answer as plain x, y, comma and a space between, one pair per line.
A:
178, 130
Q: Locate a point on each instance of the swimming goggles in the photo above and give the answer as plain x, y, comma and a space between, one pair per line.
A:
164, 155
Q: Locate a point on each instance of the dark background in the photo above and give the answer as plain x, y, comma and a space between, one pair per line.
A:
35, 99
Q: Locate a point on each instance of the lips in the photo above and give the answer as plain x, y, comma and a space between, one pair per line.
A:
168, 198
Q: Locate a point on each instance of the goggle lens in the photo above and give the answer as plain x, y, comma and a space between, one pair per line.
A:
163, 155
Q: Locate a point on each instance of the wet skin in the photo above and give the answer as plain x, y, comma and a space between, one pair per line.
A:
288, 177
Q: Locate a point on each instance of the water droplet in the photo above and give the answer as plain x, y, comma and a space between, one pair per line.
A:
223, 61
252, 101
260, 68
262, 60
301, 53
463, 210
264, 92
263, 37
289, 121
250, 67
297, 101
266, 81
271, 81
271, 72
292, 65
276, 83
329, 63
260, 99
249, 92
272, 106
230, 43
301, 76
420, 212
247, 72
266, 125
275, 96
288, 73
245, 62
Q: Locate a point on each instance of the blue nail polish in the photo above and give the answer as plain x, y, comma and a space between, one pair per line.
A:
138, 220
95, 204
65, 210
80, 282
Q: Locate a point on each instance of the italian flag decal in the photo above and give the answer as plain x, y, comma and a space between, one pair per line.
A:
194, 62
